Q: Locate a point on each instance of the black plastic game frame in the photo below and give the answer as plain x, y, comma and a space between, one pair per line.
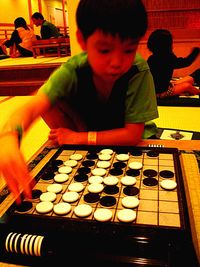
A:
108, 243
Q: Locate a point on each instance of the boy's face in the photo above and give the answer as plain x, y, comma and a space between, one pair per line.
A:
109, 56
37, 22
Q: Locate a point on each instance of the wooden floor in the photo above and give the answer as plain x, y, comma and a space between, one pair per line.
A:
22, 76
31, 61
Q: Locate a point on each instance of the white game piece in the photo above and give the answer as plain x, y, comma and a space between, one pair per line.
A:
61, 177
128, 180
122, 157
104, 156
103, 164
7, 241
95, 188
55, 188
135, 165
126, 215
76, 187
168, 184
106, 151
70, 196
130, 202
83, 210
16, 242
95, 179
26, 244
76, 156
103, 215
31, 245
65, 169
48, 196
62, 208
98, 171
110, 180
44, 207
71, 162
39, 246
11, 241
36, 243
22, 242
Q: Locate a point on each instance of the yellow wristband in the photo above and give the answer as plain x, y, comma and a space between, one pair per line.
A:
92, 138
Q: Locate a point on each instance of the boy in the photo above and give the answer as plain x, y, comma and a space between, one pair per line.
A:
163, 62
102, 96
48, 30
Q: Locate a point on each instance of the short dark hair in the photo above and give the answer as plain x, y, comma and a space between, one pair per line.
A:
127, 18
37, 15
160, 41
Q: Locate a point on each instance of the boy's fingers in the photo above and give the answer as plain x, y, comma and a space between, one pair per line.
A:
12, 185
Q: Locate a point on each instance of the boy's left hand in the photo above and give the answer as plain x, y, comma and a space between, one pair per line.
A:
62, 136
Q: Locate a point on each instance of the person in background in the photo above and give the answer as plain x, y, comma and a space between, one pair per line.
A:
20, 43
163, 62
102, 96
48, 30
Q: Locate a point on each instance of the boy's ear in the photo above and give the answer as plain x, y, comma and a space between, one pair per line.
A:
81, 39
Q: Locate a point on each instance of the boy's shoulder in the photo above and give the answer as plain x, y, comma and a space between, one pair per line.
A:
77, 61
140, 62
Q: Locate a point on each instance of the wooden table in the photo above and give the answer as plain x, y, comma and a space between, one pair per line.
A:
191, 176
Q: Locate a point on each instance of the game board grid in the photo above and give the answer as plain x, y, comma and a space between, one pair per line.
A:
157, 206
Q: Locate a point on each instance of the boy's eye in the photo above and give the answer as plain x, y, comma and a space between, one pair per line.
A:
104, 51
129, 51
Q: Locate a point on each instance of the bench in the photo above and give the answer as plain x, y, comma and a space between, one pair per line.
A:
52, 47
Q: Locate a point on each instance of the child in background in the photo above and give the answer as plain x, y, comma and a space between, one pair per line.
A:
102, 96
162, 63
20, 43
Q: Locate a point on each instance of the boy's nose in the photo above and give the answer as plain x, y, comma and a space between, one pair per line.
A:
116, 60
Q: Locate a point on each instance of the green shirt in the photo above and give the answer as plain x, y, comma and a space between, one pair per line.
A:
49, 30
132, 99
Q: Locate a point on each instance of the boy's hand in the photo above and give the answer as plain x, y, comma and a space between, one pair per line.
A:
62, 136
13, 167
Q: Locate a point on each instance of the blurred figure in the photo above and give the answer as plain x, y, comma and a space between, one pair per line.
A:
20, 43
162, 63
48, 29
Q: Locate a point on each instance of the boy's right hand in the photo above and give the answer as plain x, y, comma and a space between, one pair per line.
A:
13, 166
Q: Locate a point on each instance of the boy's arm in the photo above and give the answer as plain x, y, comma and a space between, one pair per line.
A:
130, 135
12, 164
182, 62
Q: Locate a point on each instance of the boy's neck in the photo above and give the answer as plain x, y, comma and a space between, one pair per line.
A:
103, 88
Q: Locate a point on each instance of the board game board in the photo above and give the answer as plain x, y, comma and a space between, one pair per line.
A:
128, 203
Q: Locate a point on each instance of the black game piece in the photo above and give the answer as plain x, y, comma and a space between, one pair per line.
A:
150, 173
36, 193
83, 170
132, 172
111, 189
136, 153
152, 153
150, 181
81, 177
107, 201
24, 206
166, 174
92, 156
119, 165
91, 197
88, 163
130, 190
48, 174
115, 171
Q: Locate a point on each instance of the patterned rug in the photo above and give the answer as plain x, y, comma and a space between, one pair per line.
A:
176, 134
